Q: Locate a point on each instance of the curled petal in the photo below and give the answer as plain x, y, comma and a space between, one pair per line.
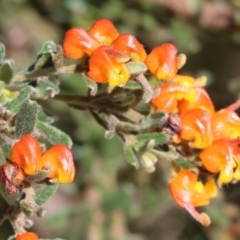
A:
225, 124
104, 31
104, 68
12, 176
201, 101
196, 127
26, 153
78, 42
128, 44
162, 62
59, 160
27, 236
188, 192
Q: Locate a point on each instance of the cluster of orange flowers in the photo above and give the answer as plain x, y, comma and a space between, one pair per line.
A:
108, 50
27, 159
214, 134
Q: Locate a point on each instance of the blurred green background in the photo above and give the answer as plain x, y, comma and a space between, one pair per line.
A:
109, 199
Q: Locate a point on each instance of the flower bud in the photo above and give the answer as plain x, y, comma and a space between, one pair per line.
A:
26, 153
59, 161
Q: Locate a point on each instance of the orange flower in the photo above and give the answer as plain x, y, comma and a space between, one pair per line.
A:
220, 157
201, 101
171, 93
188, 192
162, 62
104, 31
27, 236
12, 176
196, 127
225, 124
59, 160
129, 45
26, 153
104, 67
78, 42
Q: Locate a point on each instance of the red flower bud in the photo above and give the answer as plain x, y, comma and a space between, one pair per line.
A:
26, 153
27, 236
59, 160
162, 62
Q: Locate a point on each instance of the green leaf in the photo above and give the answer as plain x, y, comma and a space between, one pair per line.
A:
16, 103
52, 134
153, 120
6, 150
2, 52
91, 84
7, 70
46, 88
2, 157
58, 57
130, 155
26, 118
159, 138
45, 193
43, 116
48, 47
135, 68
133, 85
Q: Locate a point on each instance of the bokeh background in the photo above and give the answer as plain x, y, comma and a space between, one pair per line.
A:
109, 199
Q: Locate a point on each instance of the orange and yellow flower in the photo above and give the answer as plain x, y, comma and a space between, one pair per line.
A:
26, 153
189, 193
104, 31
105, 68
128, 44
59, 161
225, 124
162, 62
196, 127
201, 101
221, 157
182, 87
78, 43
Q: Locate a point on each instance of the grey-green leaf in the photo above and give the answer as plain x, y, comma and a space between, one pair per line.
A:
2, 157
130, 155
45, 193
46, 88
26, 118
52, 134
156, 119
2, 52
136, 68
16, 103
158, 137
7, 69
48, 47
